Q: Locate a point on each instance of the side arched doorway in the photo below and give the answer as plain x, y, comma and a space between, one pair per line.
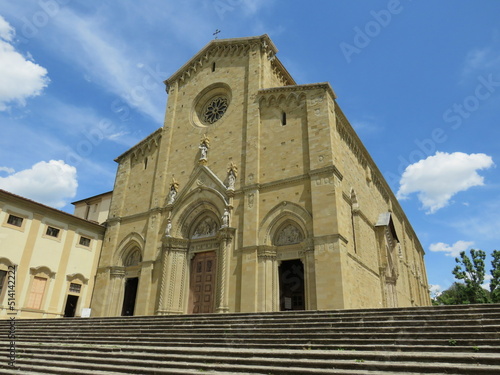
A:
131, 267
286, 264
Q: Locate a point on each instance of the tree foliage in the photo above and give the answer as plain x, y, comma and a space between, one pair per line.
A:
495, 277
470, 273
454, 295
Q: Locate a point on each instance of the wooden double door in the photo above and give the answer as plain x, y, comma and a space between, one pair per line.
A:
203, 283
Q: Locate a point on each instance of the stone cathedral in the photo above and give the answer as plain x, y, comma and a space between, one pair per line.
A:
255, 195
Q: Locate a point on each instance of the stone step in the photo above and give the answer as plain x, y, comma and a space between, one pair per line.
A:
363, 346
410, 313
453, 323
215, 354
446, 344
388, 334
147, 365
354, 314
431, 340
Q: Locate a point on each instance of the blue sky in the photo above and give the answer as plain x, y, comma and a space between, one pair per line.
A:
81, 82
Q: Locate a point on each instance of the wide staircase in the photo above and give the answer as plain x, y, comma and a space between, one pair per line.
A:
432, 340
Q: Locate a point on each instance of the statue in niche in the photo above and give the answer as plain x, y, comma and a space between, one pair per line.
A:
289, 235
225, 218
168, 228
204, 146
232, 173
133, 259
206, 228
174, 188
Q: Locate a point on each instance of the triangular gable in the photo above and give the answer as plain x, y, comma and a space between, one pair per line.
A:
226, 46
202, 177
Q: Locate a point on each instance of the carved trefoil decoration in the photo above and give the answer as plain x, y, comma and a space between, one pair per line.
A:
290, 234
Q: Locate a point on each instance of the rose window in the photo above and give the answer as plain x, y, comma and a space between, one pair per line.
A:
215, 109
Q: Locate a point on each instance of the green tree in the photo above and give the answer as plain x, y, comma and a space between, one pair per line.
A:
472, 272
495, 277
455, 295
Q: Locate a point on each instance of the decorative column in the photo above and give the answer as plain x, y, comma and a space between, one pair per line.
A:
225, 237
173, 278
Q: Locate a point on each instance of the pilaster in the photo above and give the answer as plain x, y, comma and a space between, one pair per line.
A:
117, 277
268, 288
173, 282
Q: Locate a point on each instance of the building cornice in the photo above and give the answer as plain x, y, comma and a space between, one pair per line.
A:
262, 93
43, 210
146, 144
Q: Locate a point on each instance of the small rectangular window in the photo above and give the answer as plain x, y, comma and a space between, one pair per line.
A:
283, 119
52, 232
15, 220
75, 288
84, 241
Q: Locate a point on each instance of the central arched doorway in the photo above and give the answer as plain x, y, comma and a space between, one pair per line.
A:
203, 283
203, 269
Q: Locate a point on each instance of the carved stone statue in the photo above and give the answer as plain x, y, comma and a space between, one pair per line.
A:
225, 218
174, 188
232, 172
204, 146
168, 228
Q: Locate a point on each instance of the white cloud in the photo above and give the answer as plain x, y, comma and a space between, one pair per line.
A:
6, 30
7, 169
438, 178
51, 183
480, 59
451, 250
20, 78
435, 290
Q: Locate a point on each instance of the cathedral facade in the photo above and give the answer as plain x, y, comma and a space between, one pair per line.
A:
255, 195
